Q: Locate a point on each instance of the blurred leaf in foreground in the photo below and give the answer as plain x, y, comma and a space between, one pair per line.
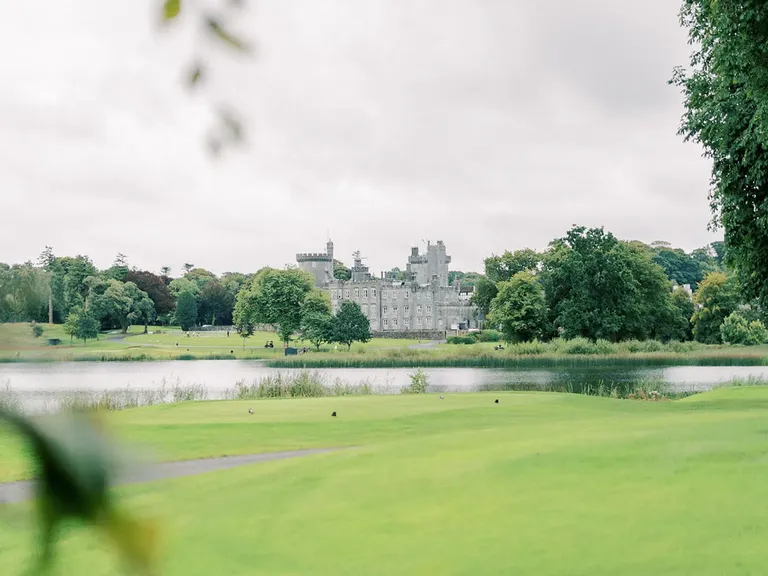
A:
171, 9
75, 464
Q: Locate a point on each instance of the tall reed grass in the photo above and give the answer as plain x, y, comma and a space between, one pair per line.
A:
304, 384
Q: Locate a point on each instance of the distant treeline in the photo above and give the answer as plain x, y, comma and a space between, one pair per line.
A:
586, 284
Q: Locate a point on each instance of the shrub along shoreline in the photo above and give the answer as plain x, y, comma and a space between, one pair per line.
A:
558, 352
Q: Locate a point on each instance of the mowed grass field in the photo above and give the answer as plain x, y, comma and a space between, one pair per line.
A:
540, 484
17, 342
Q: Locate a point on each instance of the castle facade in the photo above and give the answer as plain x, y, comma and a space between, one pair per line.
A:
421, 302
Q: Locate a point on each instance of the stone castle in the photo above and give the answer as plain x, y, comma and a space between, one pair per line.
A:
421, 302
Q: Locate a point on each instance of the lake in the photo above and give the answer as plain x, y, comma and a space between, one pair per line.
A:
42, 383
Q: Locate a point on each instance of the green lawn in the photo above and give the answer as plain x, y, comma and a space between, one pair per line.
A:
539, 484
17, 342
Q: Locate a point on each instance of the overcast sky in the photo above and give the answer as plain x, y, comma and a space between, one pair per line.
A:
489, 124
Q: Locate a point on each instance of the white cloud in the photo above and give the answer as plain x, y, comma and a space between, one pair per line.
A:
490, 125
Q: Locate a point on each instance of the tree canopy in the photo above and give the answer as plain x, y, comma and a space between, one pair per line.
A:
599, 287
725, 92
716, 299
519, 308
275, 297
350, 325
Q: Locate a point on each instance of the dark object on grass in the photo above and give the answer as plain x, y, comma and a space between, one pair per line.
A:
231, 351
496, 401
334, 414
442, 397
250, 410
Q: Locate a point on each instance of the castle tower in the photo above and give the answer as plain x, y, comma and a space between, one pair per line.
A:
430, 267
320, 265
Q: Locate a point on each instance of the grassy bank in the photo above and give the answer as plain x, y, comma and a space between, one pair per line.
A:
705, 356
17, 344
543, 484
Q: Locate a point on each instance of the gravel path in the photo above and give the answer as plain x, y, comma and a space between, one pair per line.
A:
20, 491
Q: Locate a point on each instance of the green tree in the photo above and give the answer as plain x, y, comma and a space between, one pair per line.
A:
600, 287
235, 281
179, 285
200, 276
122, 303
275, 297
243, 315
680, 267
681, 328
725, 94
485, 292
186, 310
716, 298
119, 269
81, 324
216, 304
24, 290
47, 261
77, 269
468, 279
316, 318
736, 329
350, 325
520, 308
341, 272
502, 268
155, 287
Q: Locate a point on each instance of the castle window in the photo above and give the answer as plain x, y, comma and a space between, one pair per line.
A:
386, 322
429, 309
384, 295
418, 321
357, 292
418, 309
365, 292
314, 264
394, 322
406, 309
440, 321
429, 320
373, 292
385, 309
394, 309
407, 294
394, 295
407, 322
346, 293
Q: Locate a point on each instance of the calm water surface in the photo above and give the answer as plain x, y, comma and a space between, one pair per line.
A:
220, 375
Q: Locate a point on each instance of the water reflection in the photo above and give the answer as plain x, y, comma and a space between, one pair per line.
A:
43, 383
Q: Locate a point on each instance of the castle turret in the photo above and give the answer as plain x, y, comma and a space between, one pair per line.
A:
318, 264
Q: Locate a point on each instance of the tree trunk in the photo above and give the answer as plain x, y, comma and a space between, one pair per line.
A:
146, 326
50, 304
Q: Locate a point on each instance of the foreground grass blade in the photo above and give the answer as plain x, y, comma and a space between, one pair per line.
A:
74, 461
